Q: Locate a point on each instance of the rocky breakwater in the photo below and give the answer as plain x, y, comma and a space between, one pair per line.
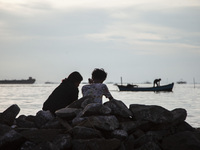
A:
85, 125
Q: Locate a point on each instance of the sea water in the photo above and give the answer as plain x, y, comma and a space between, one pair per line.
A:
30, 98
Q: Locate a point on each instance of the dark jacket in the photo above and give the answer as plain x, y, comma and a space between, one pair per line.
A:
63, 95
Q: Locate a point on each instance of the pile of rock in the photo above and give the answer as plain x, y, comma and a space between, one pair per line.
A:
85, 125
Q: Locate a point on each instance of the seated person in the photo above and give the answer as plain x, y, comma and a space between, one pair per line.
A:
64, 94
156, 82
96, 88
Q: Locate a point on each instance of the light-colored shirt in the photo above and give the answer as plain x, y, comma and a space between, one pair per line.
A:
96, 90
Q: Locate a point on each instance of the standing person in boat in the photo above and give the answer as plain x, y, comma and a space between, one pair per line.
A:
64, 94
156, 82
96, 87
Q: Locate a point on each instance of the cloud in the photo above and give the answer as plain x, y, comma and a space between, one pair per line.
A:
123, 37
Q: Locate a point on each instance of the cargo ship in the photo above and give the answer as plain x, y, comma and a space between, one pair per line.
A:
30, 80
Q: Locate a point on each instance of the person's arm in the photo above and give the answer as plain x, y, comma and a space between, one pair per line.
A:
110, 98
90, 81
107, 92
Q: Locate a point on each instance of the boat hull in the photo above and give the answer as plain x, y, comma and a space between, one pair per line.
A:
166, 88
28, 81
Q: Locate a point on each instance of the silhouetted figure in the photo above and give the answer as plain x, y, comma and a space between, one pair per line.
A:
156, 82
96, 88
64, 94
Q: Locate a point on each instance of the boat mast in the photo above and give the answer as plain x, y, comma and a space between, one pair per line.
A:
194, 82
121, 80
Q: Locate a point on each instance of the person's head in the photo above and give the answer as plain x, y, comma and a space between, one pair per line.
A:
75, 77
99, 75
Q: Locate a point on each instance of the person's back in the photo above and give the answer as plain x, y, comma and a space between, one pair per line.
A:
156, 82
96, 88
64, 94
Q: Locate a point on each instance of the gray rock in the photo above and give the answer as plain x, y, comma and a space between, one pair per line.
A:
64, 123
95, 109
152, 113
118, 108
9, 138
9, 115
23, 122
184, 126
158, 135
28, 146
120, 134
46, 146
40, 135
80, 132
96, 144
182, 141
77, 103
149, 146
129, 143
179, 115
67, 113
138, 133
42, 117
129, 126
79, 121
145, 139
107, 123
87, 101
63, 142
53, 124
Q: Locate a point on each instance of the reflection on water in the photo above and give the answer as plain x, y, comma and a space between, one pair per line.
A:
31, 97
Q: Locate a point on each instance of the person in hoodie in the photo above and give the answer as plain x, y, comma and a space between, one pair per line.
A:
66, 93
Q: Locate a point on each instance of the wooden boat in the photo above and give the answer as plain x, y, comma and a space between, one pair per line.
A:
129, 87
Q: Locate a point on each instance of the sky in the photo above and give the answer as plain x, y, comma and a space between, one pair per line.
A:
137, 40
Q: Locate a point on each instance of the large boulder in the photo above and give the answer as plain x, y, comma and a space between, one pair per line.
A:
118, 108
129, 126
95, 109
107, 123
179, 115
68, 113
42, 117
78, 103
9, 115
151, 113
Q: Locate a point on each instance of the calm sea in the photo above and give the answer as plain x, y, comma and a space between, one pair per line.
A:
31, 97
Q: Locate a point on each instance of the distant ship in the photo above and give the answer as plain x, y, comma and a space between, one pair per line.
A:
181, 82
51, 82
30, 80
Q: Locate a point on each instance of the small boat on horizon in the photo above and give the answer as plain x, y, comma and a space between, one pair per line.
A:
30, 80
181, 82
48, 82
130, 87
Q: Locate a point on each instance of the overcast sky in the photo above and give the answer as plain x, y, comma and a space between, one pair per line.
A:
138, 40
